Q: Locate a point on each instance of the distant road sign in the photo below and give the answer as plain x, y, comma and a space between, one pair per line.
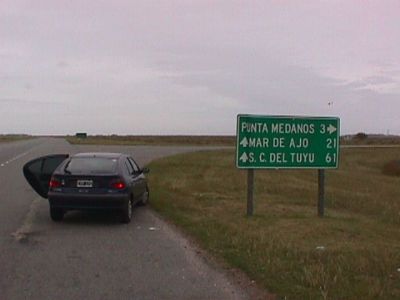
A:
81, 135
287, 142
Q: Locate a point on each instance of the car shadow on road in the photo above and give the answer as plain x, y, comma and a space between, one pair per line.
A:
91, 218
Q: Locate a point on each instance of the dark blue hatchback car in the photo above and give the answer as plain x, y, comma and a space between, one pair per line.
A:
88, 181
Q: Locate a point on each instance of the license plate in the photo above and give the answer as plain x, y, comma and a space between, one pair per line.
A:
84, 183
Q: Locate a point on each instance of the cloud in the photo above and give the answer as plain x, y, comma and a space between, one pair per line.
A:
16, 101
379, 84
188, 67
62, 64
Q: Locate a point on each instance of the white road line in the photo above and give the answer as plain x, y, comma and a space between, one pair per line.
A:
16, 157
22, 233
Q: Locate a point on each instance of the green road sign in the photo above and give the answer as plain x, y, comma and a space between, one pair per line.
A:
274, 142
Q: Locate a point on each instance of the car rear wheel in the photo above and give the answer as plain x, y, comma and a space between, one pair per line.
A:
126, 215
145, 197
56, 214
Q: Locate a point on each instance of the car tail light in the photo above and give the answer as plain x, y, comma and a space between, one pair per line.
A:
118, 185
54, 183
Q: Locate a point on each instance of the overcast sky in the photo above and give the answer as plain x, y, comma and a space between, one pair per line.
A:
189, 67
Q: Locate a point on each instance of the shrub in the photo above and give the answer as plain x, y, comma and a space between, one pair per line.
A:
361, 136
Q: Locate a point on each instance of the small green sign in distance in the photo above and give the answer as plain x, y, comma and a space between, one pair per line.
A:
287, 142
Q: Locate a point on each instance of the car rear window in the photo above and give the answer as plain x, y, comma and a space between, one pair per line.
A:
92, 165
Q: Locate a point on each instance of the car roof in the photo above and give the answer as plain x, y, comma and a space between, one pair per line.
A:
98, 154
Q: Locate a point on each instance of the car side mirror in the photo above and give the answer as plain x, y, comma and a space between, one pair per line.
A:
145, 170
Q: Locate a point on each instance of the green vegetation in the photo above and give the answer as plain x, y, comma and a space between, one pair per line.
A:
359, 139
370, 139
154, 140
352, 253
13, 137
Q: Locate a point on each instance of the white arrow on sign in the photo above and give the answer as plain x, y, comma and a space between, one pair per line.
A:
331, 129
244, 158
244, 142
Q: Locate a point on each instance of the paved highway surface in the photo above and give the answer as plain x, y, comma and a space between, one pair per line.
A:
94, 256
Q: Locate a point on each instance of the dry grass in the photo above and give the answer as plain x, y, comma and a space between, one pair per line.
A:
13, 137
280, 246
200, 140
392, 168
371, 140
154, 140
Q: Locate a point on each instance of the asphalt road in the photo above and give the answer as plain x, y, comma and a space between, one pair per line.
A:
92, 256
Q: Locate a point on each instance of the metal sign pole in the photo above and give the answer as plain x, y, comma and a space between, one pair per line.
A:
287, 142
321, 192
250, 192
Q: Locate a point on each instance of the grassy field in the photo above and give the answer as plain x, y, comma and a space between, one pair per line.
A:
362, 138
154, 140
226, 140
13, 137
352, 253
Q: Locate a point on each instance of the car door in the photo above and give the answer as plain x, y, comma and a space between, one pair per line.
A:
139, 177
39, 170
130, 176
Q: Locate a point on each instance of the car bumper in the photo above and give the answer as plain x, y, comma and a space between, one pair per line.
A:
88, 201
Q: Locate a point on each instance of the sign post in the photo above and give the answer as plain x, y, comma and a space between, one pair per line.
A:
250, 192
321, 192
287, 142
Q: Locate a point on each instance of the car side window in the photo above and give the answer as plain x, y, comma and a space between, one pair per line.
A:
134, 165
128, 167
